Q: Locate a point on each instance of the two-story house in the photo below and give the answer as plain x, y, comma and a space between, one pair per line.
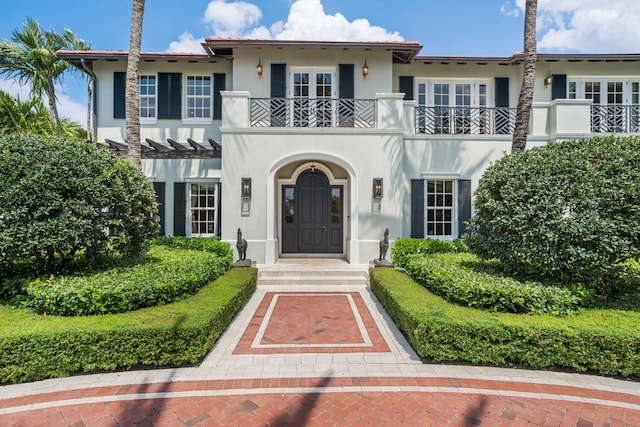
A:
315, 148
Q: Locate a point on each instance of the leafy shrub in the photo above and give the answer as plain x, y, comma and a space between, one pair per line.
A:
166, 275
58, 197
35, 347
451, 277
211, 244
602, 341
568, 211
404, 247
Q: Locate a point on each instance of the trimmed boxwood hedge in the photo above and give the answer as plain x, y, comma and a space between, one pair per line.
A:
34, 347
404, 247
166, 275
602, 341
453, 277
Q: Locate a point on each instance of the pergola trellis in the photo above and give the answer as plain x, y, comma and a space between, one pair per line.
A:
172, 150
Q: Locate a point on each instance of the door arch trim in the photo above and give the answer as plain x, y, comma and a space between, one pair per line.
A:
352, 250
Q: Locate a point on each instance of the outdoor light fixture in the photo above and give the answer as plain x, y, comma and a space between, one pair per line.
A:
377, 188
365, 70
245, 192
259, 69
548, 80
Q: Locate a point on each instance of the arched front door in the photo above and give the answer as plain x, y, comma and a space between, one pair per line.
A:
312, 215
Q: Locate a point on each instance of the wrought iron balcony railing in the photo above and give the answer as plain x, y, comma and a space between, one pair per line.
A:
306, 112
615, 118
465, 120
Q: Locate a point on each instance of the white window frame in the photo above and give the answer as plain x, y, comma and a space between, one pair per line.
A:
581, 81
313, 71
189, 222
475, 91
454, 205
187, 97
149, 119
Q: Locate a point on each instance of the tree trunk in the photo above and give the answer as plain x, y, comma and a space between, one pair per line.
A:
56, 127
519, 142
132, 90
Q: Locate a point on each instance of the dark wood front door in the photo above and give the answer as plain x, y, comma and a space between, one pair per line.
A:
312, 215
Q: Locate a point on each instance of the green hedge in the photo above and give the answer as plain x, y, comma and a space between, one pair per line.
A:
404, 247
36, 347
209, 244
602, 341
166, 275
453, 277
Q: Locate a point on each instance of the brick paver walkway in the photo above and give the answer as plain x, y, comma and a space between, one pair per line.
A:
313, 355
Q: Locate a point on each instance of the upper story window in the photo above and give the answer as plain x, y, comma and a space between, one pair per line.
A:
604, 91
198, 96
453, 107
147, 86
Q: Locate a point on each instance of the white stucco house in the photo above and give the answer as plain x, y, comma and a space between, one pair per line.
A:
315, 148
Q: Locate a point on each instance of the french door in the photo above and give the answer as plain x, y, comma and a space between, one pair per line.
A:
311, 92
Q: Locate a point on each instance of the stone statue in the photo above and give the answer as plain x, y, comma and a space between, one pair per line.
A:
242, 247
384, 245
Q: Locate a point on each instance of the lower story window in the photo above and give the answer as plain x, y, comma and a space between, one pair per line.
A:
203, 209
440, 206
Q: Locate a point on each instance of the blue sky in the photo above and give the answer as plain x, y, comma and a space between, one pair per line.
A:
453, 27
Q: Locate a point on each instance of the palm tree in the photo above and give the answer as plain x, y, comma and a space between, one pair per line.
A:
525, 100
17, 116
32, 117
30, 58
132, 90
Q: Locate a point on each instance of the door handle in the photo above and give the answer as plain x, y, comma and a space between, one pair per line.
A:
324, 226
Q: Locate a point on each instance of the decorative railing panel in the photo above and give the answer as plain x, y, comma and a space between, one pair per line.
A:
306, 112
465, 120
615, 118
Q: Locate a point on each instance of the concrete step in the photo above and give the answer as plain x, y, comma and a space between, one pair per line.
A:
313, 272
313, 280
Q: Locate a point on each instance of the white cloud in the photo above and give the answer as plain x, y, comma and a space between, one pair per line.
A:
14, 89
307, 20
336, 27
593, 26
231, 19
186, 43
67, 107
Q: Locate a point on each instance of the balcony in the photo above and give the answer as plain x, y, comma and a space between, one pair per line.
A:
615, 118
465, 120
312, 113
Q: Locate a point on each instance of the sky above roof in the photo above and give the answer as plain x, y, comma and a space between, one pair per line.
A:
454, 27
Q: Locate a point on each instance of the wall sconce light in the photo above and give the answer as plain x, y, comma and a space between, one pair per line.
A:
377, 188
548, 80
259, 69
245, 192
365, 70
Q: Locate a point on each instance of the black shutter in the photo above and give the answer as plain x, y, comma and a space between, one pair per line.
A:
346, 91
119, 84
279, 91
406, 87
417, 208
559, 86
159, 188
502, 92
219, 83
464, 204
219, 216
179, 208
278, 80
169, 95
346, 83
